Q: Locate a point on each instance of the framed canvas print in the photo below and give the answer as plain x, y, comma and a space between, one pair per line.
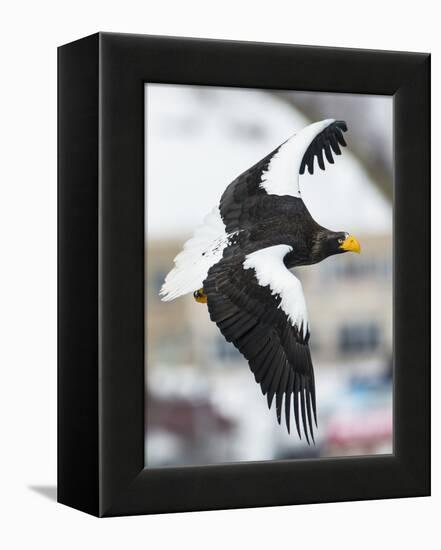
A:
244, 271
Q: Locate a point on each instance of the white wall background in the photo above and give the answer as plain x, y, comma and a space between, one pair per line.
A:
30, 33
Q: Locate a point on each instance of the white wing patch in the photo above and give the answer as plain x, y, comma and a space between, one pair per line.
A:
271, 271
282, 174
200, 252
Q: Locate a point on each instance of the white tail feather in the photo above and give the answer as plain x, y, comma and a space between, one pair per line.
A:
200, 252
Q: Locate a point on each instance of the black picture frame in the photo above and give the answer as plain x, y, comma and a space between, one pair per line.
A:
101, 274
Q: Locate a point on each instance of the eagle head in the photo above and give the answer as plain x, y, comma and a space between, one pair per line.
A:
327, 243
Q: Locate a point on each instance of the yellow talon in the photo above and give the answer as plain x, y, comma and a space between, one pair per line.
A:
200, 296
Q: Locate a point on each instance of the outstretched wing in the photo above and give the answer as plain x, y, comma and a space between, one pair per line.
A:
244, 200
258, 305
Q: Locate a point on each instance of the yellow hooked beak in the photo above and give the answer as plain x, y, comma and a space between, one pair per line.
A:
350, 244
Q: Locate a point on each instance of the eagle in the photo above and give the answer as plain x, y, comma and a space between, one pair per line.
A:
239, 263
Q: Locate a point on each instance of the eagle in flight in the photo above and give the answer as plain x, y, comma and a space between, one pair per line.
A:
238, 263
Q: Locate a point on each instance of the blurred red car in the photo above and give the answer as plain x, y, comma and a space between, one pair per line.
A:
364, 425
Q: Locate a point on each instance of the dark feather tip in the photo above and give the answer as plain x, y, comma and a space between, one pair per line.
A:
342, 125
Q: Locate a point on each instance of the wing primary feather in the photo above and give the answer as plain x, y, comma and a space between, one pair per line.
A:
309, 159
340, 137
320, 159
296, 403
275, 383
279, 399
334, 144
288, 397
328, 152
311, 163
281, 390
312, 391
303, 409
308, 410
276, 364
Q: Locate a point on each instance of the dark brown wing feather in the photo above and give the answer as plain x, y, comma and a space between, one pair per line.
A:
248, 315
244, 201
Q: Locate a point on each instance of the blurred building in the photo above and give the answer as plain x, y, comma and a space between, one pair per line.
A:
188, 360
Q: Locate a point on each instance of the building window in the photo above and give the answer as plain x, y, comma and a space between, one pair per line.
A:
361, 337
173, 348
226, 351
357, 269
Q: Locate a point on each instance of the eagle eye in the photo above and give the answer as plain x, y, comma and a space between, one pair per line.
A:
340, 241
